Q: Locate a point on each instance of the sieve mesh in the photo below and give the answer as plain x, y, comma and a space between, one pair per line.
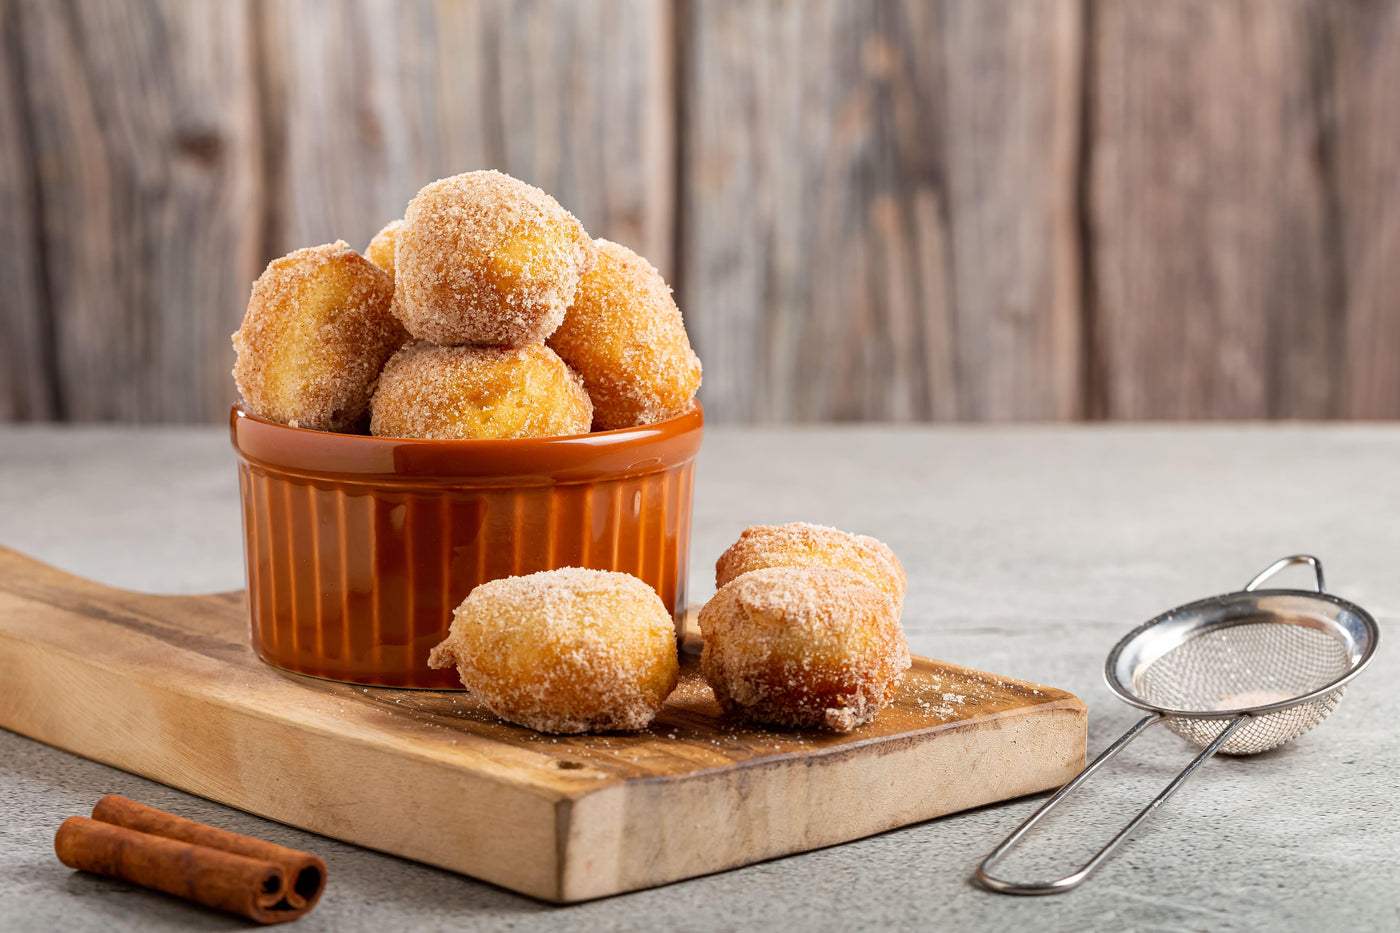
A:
1247, 664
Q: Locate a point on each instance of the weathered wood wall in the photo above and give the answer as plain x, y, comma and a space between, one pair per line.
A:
883, 209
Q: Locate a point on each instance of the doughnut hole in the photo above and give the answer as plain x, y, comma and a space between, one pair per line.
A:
799, 544
478, 392
565, 651
484, 259
625, 337
804, 647
317, 330
380, 250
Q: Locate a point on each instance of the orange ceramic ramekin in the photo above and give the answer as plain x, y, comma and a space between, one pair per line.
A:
359, 548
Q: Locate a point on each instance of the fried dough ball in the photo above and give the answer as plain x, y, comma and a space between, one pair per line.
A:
799, 544
317, 330
624, 336
380, 250
487, 260
568, 650
803, 647
481, 392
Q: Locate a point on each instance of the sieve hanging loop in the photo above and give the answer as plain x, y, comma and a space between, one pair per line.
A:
1237, 674
1280, 564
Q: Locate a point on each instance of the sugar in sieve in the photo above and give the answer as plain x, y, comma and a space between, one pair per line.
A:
1236, 674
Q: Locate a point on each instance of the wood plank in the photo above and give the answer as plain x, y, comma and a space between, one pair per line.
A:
26, 391
166, 687
1365, 60
143, 127
1216, 290
369, 101
879, 216
878, 213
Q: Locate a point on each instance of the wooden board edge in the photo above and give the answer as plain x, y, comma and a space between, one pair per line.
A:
609, 851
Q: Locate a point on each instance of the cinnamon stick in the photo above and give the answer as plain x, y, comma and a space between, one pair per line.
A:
305, 873
250, 877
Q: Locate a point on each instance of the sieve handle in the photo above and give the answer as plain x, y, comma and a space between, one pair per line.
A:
1278, 565
1069, 882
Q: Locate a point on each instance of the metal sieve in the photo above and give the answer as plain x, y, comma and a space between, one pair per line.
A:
1236, 674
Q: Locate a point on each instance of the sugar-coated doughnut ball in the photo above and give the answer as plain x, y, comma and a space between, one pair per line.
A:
317, 330
478, 392
487, 260
381, 249
568, 650
803, 647
799, 544
624, 336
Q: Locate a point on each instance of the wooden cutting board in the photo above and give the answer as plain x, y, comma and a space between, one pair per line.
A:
166, 687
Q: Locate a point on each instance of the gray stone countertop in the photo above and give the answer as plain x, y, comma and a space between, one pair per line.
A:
1030, 551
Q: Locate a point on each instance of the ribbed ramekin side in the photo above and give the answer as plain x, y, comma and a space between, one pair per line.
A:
297, 566
678, 531
252, 567
357, 582
275, 599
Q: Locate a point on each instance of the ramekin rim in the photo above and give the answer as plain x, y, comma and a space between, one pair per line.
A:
619, 436
544, 460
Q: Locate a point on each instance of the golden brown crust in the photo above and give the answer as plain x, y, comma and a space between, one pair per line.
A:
565, 651
478, 392
484, 259
317, 330
625, 337
380, 250
803, 647
798, 544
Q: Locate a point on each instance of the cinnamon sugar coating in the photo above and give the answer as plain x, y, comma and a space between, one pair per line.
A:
380, 250
317, 330
803, 647
565, 651
625, 337
799, 544
485, 259
478, 392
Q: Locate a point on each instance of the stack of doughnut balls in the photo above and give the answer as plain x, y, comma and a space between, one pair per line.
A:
804, 632
486, 312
